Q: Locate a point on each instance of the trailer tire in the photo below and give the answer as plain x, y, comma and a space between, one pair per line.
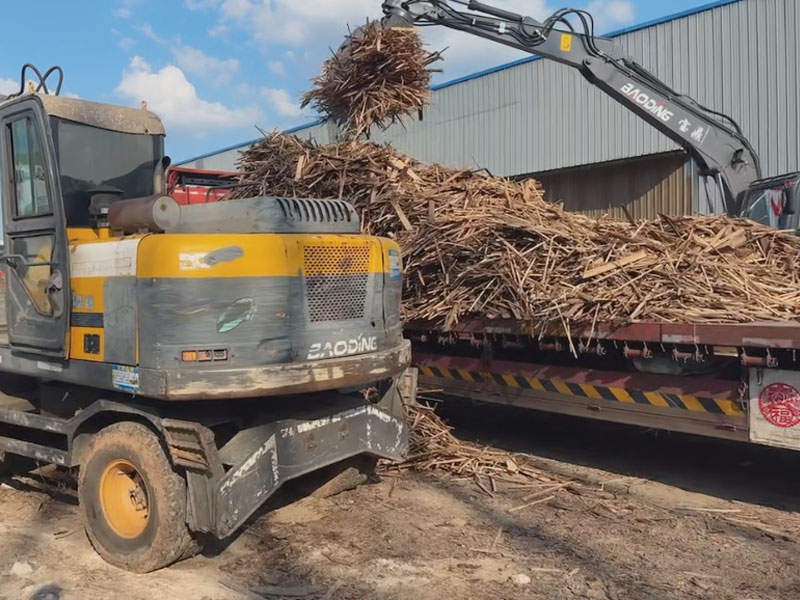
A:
132, 501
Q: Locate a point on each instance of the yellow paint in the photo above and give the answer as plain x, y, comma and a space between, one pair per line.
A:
264, 255
729, 407
566, 42
656, 399
466, 375
535, 384
622, 395
86, 287
124, 499
591, 391
86, 234
426, 370
561, 387
692, 403
76, 343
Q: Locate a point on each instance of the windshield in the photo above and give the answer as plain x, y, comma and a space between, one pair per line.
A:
89, 157
765, 206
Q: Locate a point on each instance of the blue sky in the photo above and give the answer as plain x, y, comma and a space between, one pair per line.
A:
215, 69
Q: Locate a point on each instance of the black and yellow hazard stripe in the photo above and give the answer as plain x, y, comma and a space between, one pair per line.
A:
720, 406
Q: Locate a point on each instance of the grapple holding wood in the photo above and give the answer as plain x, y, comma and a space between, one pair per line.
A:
378, 76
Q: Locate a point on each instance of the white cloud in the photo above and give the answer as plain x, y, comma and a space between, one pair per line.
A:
292, 23
611, 13
8, 86
296, 22
326, 22
170, 95
124, 8
200, 4
197, 62
281, 102
276, 67
126, 43
218, 30
148, 31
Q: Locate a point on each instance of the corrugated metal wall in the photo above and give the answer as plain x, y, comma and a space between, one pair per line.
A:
644, 187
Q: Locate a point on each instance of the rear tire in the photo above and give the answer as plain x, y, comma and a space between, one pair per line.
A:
132, 501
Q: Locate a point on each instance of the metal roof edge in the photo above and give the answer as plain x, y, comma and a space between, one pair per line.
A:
638, 27
294, 129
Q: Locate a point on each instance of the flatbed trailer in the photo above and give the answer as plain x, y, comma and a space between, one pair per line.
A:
732, 381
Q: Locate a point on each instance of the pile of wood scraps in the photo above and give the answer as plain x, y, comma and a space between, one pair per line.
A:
434, 448
481, 246
377, 77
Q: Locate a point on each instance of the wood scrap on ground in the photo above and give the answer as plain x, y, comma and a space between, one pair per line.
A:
434, 448
378, 76
488, 247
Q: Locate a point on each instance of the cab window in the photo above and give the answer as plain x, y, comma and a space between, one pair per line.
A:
29, 178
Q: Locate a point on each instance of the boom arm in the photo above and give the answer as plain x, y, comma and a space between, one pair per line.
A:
714, 140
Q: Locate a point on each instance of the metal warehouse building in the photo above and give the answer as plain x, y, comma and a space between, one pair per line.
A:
534, 117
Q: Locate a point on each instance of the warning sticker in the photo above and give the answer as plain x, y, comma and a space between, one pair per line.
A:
125, 378
779, 403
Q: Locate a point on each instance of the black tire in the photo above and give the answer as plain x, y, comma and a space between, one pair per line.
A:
150, 531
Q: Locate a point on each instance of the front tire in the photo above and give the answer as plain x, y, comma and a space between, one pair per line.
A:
132, 501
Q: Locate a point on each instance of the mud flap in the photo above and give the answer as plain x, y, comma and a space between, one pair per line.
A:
266, 456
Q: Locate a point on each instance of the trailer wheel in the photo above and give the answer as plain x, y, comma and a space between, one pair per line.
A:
133, 502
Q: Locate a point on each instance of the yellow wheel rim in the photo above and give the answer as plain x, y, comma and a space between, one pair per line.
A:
124, 498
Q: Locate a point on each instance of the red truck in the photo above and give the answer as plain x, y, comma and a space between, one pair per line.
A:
197, 186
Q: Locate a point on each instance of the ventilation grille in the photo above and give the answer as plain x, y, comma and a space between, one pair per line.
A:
316, 211
336, 280
335, 260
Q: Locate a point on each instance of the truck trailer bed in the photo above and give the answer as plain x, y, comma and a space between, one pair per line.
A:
737, 381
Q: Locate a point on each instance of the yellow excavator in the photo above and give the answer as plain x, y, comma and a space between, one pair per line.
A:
185, 360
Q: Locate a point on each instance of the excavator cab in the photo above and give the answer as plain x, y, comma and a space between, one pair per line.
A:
59, 156
774, 202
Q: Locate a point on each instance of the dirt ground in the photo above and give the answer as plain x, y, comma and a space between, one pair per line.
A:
646, 516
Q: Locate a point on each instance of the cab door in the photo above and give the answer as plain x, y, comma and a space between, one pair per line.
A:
35, 254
